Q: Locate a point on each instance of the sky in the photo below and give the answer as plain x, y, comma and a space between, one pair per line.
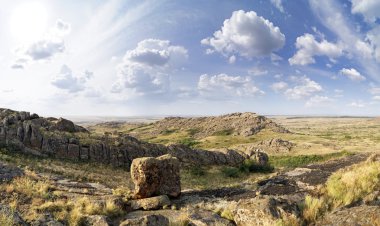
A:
178, 57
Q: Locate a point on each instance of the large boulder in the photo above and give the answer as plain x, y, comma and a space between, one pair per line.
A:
156, 176
264, 210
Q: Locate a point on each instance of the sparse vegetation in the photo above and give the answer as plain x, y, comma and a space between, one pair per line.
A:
6, 219
293, 161
353, 184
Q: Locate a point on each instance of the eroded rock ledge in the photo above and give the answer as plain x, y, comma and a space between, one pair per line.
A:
61, 138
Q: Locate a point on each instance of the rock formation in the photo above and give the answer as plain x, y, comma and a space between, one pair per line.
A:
244, 124
61, 138
156, 176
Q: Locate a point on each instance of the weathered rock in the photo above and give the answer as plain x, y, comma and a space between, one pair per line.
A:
199, 217
96, 220
150, 203
260, 157
7, 172
360, 215
46, 220
20, 131
156, 176
275, 145
264, 210
150, 220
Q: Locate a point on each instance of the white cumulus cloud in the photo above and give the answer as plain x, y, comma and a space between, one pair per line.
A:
319, 101
308, 47
247, 35
66, 80
352, 74
147, 68
225, 86
305, 88
279, 86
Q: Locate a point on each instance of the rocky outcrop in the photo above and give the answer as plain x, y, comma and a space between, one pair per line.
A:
264, 210
244, 124
61, 138
359, 215
271, 146
156, 176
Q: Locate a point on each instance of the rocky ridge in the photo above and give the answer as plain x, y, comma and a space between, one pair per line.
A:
61, 138
244, 124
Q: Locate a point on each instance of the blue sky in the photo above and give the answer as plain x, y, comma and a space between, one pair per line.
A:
125, 58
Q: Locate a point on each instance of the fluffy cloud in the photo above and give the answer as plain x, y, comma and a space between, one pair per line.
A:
308, 47
154, 52
225, 86
66, 80
352, 74
279, 86
319, 101
257, 71
247, 35
278, 5
357, 104
370, 9
43, 49
376, 98
147, 68
305, 88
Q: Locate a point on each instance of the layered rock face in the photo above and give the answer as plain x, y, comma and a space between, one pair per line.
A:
156, 176
61, 138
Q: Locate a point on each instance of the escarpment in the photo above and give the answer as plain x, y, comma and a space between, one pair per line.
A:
61, 138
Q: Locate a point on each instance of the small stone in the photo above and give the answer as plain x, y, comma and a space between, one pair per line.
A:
150, 203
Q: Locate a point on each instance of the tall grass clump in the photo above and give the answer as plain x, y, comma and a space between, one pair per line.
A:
353, 184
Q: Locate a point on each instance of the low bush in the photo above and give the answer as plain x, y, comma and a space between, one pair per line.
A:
230, 172
251, 166
225, 132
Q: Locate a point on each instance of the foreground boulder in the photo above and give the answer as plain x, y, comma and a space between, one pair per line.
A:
156, 176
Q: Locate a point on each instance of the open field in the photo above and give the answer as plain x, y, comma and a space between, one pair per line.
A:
311, 135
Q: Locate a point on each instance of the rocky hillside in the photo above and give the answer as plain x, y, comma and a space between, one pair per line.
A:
244, 124
61, 138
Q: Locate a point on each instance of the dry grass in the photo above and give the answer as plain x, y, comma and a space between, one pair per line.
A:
6, 219
313, 208
353, 184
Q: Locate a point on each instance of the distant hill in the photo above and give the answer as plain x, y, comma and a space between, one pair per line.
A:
243, 124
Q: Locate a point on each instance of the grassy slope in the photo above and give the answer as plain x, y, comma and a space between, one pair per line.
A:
311, 135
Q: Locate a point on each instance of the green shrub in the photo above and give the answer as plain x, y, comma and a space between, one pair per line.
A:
224, 132
197, 171
301, 160
168, 131
190, 142
251, 166
193, 131
230, 172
